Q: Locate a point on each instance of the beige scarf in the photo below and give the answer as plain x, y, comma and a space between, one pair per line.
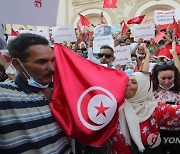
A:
136, 110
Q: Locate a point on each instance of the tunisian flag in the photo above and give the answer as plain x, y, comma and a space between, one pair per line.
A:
86, 97
110, 4
84, 20
136, 20
165, 52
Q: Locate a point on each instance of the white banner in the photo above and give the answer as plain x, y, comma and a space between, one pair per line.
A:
164, 17
29, 12
64, 33
144, 31
100, 41
122, 54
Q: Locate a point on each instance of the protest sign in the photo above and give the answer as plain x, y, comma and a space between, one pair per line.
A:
144, 31
100, 41
122, 54
64, 33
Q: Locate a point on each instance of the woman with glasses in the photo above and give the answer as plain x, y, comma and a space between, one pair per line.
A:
166, 88
140, 119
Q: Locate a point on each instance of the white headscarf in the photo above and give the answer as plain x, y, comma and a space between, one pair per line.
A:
136, 110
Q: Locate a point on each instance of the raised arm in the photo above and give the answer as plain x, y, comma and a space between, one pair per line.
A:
145, 65
137, 45
175, 56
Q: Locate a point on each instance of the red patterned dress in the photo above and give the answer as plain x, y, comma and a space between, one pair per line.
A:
164, 115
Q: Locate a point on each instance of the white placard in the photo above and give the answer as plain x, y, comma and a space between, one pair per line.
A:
103, 30
122, 54
163, 17
100, 41
29, 12
44, 34
64, 33
144, 31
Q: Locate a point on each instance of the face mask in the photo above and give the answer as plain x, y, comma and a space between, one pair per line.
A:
84, 52
166, 88
31, 81
135, 62
129, 71
119, 37
140, 55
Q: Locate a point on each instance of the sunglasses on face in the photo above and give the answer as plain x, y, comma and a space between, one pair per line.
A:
107, 55
169, 63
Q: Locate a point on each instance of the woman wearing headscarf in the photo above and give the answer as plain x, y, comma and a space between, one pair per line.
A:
140, 119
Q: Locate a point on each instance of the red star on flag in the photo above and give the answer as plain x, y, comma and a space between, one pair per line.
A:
101, 109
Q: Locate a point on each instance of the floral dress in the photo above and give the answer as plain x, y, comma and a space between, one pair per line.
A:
168, 97
165, 115
162, 95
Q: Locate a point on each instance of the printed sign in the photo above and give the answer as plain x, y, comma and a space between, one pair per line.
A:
122, 54
144, 31
164, 17
64, 33
100, 41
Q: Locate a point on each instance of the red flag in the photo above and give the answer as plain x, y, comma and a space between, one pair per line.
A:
84, 20
124, 28
136, 20
158, 36
86, 97
174, 23
110, 4
79, 26
177, 33
14, 33
121, 22
165, 52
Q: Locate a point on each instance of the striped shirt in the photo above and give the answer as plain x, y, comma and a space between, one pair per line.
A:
26, 123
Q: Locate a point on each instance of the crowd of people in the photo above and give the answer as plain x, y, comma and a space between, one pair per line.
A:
151, 107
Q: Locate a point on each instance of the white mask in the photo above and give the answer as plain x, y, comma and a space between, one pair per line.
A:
166, 88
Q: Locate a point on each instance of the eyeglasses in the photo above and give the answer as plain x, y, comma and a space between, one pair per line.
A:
107, 55
169, 63
150, 77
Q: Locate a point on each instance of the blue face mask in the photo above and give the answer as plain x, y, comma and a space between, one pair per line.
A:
85, 52
31, 81
129, 71
166, 88
119, 37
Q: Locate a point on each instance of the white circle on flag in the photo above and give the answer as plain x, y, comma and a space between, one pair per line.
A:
100, 109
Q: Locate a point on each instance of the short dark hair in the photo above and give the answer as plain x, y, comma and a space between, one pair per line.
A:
107, 47
157, 69
18, 46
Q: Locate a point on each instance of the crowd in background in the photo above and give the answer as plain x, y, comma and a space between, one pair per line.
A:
165, 74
